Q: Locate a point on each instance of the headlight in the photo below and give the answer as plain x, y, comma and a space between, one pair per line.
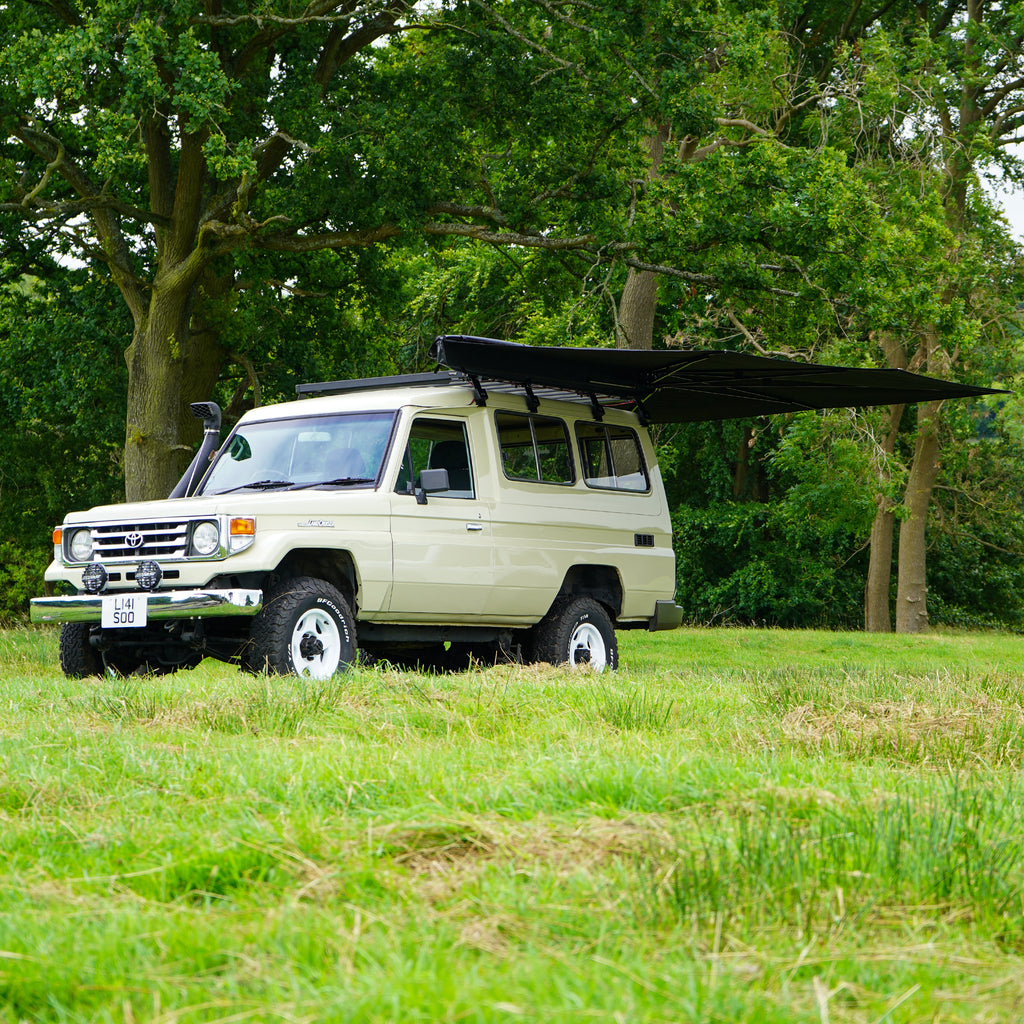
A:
205, 538
80, 547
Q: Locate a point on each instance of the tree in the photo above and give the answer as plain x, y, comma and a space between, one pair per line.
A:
143, 138
182, 148
172, 145
961, 72
58, 417
896, 107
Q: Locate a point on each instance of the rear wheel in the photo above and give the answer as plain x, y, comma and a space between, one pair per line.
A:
305, 627
78, 658
577, 632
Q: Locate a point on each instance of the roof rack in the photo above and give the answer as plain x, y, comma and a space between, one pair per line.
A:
481, 385
336, 387
531, 392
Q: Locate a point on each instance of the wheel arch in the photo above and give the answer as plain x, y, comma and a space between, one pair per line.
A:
601, 582
336, 567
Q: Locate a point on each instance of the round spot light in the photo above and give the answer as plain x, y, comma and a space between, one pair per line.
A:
148, 575
94, 579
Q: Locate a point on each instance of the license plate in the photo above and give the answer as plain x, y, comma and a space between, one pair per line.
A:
123, 611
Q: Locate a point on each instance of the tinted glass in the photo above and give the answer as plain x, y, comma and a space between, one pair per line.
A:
307, 451
611, 457
437, 444
534, 448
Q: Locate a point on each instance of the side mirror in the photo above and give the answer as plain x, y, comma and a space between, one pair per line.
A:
431, 481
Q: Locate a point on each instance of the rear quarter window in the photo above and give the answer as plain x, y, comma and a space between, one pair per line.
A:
612, 458
535, 448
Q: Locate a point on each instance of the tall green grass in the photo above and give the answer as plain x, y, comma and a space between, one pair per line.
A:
737, 826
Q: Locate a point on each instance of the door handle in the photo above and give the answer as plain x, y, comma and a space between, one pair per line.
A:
474, 527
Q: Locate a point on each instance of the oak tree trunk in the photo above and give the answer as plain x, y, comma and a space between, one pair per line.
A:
170, 365
911, 589
634, 323
877, 615
637, 306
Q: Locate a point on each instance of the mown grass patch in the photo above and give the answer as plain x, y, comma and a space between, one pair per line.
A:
736, 826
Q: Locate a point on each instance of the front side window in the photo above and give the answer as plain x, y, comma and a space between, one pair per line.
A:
534, 448
437, 444
611, 457
343, 450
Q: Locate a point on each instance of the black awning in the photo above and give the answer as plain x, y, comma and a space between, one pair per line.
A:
683, 386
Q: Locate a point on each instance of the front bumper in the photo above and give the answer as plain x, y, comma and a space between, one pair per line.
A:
163, 604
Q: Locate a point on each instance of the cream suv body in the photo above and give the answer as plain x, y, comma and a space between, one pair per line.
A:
416, 519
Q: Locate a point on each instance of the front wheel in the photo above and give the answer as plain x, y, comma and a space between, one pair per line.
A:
78, 658
577, 632
305, 627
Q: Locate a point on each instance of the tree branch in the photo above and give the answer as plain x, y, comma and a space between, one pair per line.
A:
326, 240
68, 208
114, 247
532, 241
315, 13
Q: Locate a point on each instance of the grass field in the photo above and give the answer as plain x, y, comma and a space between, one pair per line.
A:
738, 826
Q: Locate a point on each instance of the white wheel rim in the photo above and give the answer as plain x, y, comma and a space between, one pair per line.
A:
316, 645
587, 648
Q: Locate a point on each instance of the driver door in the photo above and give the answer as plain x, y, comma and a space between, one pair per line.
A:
442, 549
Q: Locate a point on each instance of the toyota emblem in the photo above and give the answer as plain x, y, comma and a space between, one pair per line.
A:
134, 539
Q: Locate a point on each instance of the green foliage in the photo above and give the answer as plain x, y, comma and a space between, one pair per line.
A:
535, 298
976, 556
62, 385
484, 169
746, 563
21, 577
796, 559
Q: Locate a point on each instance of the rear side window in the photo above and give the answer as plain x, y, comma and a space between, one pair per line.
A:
535, 448
611, 457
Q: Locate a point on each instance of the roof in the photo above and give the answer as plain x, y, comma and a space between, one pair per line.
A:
674, 386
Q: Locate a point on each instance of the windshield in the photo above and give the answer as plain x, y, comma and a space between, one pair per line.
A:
344, 450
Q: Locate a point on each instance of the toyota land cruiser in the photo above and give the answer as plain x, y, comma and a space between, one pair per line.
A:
511, 506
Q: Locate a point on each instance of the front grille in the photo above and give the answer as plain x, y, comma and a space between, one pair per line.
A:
158, 540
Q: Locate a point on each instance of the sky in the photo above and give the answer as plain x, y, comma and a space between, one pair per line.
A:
1013, 207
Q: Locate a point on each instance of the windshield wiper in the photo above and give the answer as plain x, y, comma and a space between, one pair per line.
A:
258, 485
341, 481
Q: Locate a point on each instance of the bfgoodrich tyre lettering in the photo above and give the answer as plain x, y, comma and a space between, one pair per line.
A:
305, 627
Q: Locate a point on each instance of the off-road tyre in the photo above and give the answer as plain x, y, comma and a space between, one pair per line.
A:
577, 632
304, 628
78, 658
